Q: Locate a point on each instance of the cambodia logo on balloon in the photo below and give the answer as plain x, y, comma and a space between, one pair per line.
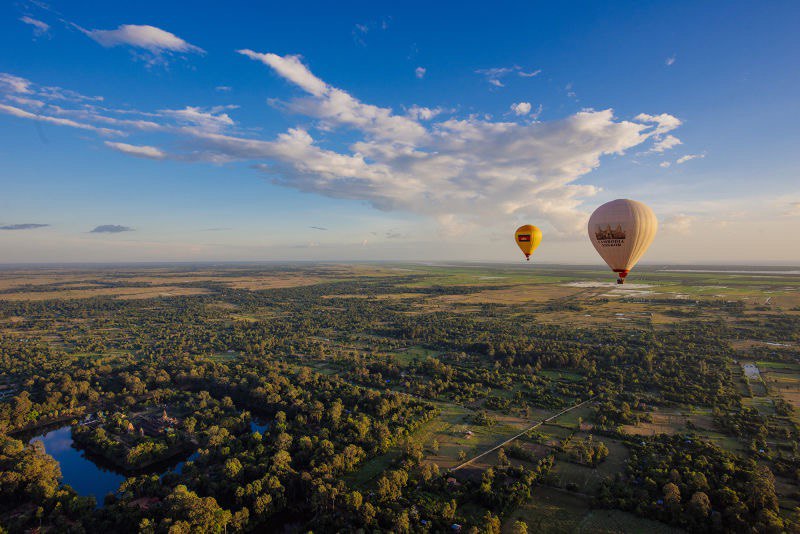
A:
621, 232
610, 238
528, 238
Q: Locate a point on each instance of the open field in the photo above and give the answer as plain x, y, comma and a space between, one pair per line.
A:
783, 381
585, 478
44, 284
518, 294
555, 511
115, 292
666, 421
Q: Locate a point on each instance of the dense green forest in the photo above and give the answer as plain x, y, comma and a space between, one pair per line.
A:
355, 382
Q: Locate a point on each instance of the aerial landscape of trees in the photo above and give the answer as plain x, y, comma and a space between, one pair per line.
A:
314, 407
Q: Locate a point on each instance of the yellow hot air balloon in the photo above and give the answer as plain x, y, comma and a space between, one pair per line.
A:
621, 231
528, 238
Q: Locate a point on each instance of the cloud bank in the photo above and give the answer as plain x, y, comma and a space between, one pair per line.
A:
39, 28
157, 43
140, 151
458, 170
110, 229
23, 226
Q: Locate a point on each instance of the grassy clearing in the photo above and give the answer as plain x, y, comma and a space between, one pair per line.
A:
674, 422
456, 439
550, 511
587, 479
784, 367
448, 429
224, 356
519, 294
783, 381
615, 521
405, 357
664, 422
570, 419
371, 470
557, 512
762, 404
566, 376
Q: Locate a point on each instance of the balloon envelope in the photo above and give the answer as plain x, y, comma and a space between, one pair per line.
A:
621, 231
528, 238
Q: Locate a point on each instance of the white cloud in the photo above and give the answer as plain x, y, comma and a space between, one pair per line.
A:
521, 108
89, 113
39, 28
23, 101
665, 143
422, 113
11, 84
670, 60
664, 164
419, 72
291, 68
689, 157
663, 123
335, 107
223, 88
57, 93
458, 171
155, 41
213, 120
467, 170
14, 84
23, 114
140, 151
493, 75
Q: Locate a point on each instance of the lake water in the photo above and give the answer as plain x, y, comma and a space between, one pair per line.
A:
257, 425
88, 476
179, 466
85, 477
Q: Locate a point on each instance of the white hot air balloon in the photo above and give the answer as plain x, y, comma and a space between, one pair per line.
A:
621, 231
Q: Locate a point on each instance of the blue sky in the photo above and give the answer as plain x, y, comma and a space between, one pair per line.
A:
169, 131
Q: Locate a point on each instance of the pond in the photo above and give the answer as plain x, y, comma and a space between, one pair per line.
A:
85, 477
259, 425
89, 475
